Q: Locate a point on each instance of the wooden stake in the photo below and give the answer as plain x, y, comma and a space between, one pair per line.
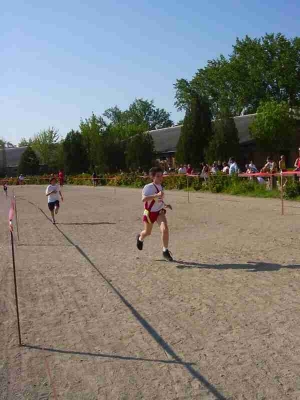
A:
17, 220
15, 283
281, 184
188, 188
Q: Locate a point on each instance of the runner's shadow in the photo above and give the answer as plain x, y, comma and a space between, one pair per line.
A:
250, 266
193, 371
85, 223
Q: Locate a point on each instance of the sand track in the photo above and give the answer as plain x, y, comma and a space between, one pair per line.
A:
101, 320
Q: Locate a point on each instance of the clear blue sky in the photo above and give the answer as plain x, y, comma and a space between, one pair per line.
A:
61, 60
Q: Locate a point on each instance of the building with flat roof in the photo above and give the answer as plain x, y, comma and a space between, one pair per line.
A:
9, 160
165, 143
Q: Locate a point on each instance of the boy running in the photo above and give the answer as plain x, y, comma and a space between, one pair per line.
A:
5, 188
155, 211
53, 192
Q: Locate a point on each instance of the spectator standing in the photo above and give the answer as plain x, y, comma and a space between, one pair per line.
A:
233, 167
214, 168
189, 170
270, 166
282, 164
220, 166
205, 171
225, 169
94, 179
182, 169
297, 162
252, 166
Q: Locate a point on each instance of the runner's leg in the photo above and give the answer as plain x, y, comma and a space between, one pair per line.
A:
163, 225
164, 229
146, 232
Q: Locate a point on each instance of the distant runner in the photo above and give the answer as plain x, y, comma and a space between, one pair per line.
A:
21, 179
53, 192
5, 188
61, 177
155, 211
94, 179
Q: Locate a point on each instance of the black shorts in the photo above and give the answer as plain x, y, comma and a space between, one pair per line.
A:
53, 204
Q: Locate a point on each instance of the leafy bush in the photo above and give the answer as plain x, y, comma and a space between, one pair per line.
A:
292, 189
218, 183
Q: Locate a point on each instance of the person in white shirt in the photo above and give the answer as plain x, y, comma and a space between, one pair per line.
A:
253, 167
182, 169
214, 169
233, 167
155, 211
225, 169
21, 179
53, 192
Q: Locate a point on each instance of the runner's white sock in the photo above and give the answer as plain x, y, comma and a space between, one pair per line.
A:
165, 249
140, 239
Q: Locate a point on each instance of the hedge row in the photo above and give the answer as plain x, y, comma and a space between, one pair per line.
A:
216, 184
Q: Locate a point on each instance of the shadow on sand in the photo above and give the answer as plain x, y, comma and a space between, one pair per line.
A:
85, 223
250, 266
103, 355
142, 321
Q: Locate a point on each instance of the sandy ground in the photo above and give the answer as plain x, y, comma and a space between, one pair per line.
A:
101, 320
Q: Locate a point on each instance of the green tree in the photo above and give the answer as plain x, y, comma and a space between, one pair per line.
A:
29, 163
75, 155
258, 70
195, 132
225, 140
141, 116
115, 150
3, 157
24, 142
274, 126
92, 130
44, 143
58, 157
144, 112
140, 151
124, 130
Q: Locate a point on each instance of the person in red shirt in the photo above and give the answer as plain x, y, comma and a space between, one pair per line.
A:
189, 170
61, 177
297, 162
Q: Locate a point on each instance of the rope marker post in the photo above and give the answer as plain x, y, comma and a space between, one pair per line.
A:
188, 188
281, 186
10, 217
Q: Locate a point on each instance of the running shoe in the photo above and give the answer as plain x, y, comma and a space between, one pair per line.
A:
139, 243
167, 255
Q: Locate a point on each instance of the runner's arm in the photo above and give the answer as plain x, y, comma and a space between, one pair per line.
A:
48, 194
